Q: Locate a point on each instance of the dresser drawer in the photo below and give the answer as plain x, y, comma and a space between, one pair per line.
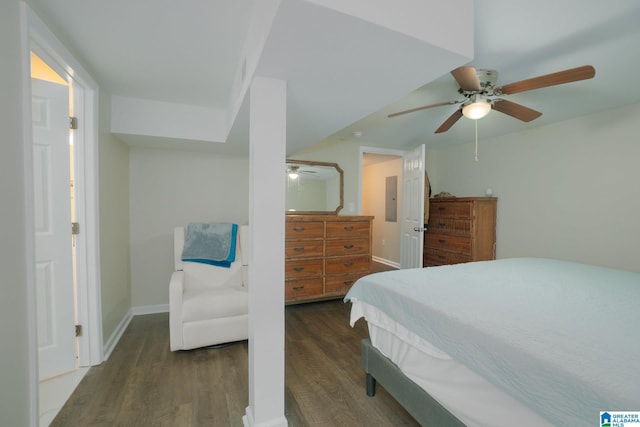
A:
304, 288
347, 247
340, 285
325, 255
449, 209
352, 229
447, 225
461, 229
304, 230
301, 268
347, 265
303, 248
434, 257
448, 243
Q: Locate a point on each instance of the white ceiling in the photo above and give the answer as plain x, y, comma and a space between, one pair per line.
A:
188, 52
175, 51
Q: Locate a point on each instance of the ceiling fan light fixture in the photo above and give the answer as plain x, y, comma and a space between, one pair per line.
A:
477, 109
293, 172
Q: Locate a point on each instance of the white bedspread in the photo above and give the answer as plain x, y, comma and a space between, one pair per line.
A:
558, 336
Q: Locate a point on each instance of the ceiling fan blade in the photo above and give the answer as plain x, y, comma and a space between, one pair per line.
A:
518, 111
439, 104
467, 78
561, 77
450, 121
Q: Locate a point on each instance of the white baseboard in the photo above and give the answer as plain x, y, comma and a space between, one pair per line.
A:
117, 334
247, 420
386, 262
150, 309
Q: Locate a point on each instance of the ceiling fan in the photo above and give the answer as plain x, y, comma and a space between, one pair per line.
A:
295, 170
481, 95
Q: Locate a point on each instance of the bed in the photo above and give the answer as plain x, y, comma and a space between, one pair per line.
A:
520, 341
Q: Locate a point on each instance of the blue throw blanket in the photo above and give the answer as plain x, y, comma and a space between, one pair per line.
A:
211, 243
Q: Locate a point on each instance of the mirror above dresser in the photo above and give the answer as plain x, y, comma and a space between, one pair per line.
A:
314, 188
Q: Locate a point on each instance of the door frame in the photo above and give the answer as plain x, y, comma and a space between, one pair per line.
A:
378, 150
375, 150
36, 36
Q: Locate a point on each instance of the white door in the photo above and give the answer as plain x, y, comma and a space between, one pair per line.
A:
54, 270
412, 209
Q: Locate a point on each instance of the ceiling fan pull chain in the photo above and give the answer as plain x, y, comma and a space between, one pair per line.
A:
476, 139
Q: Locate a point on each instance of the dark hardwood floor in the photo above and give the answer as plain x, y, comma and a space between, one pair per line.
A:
377, 267
144, 384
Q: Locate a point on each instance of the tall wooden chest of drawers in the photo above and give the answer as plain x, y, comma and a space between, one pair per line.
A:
325, 255
461, 229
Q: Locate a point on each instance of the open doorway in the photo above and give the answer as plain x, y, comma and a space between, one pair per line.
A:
55, 248
381, 197
52, 103
396, 182
81, 91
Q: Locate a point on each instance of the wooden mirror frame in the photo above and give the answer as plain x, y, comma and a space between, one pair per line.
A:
341, 175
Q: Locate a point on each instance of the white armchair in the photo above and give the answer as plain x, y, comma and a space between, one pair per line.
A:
208, 305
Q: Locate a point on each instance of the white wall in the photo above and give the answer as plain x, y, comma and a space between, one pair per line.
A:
568, 190
114, 224
169, 188
386, 235
14, 356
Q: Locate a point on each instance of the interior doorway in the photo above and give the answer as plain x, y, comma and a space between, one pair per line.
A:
410, 204
54, 209
84, 95
381, 197
55, 251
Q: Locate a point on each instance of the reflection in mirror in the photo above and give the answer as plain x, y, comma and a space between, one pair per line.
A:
313, 187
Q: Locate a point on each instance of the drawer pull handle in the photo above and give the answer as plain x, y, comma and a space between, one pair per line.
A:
299, 248
348, 227
298, 268
348, 246
441, 240
298, 229
348, 264
441, 224
441, 208
441, 256
298, 288
347, 282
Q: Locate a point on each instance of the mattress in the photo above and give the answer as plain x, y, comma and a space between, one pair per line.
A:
556, 337
471, 398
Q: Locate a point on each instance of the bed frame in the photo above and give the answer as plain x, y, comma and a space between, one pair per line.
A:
415, 400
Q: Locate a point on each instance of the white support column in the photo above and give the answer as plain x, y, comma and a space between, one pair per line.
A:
267, 141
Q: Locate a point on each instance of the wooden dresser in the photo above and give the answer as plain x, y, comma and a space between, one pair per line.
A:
325, 255
461, 229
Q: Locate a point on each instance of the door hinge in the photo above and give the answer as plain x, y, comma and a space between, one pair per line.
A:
78, 330
75, 228
73, 122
